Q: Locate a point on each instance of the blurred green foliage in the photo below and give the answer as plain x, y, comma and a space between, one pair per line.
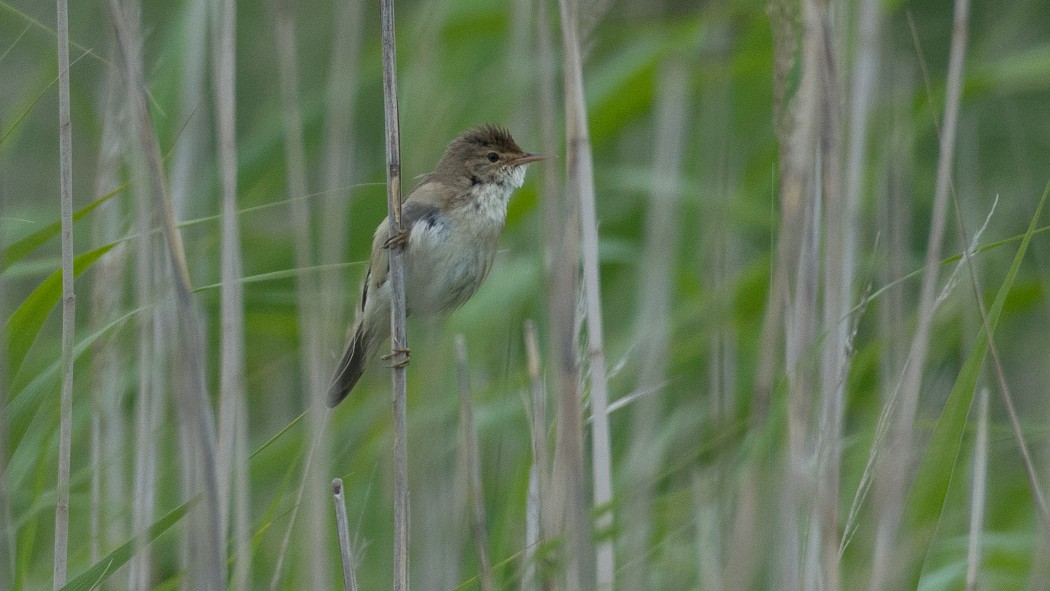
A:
459, 67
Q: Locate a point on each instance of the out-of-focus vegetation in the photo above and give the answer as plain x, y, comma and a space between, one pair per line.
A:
727, 504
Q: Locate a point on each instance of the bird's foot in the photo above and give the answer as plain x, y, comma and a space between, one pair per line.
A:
400, 239
403, 355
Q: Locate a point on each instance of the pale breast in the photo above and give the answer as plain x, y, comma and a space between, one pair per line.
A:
448, 257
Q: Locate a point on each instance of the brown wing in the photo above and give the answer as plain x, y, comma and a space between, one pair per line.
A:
418, 207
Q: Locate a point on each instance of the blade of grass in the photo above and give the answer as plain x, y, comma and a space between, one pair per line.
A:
101, 570
29, 109
30, 397
925, 501
24, 325
18, 249
35, 23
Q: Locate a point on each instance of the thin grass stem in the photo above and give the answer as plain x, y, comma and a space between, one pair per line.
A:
68, 299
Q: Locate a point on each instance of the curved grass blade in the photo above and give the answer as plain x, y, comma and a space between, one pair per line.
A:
20, 248
102, 569
925, 503
24, 325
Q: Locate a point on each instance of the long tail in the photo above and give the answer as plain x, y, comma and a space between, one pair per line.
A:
358, 353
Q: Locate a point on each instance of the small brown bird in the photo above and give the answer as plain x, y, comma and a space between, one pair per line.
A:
452, 223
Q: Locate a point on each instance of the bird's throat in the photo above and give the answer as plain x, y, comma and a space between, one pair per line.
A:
489, 201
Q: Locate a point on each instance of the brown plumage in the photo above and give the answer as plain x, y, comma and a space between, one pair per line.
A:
452, 223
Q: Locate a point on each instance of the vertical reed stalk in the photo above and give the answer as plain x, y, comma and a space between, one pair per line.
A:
656, 292
473, 466
800, 40
720, 165
192, 400
398, 338
840, 237
978, 486
564, 514
307, 293
894, 224
580, 185
901, 447
68, 298
146, 395
233, 428
536, 504
190, 152
342, 527
108, 480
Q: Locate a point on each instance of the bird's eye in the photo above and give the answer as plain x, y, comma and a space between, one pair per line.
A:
492, 156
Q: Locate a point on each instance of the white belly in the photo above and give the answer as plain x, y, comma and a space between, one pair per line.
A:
444, 268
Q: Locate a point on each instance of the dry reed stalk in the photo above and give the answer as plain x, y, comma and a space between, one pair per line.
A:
653, 331
580, 185
190, 152
471, 454
978, 487
835, 231
749, 521
708, 531
841, 236
108, 489
536, 505
192, 399
788, 110
901, 451
187, 160
233, 428
399, 338
794, 289
143, 483
564, 514
343, 529
895, 221
720, 166
306, 287
65, 128
554, 201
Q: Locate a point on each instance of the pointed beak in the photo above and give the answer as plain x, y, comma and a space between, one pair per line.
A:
528, 159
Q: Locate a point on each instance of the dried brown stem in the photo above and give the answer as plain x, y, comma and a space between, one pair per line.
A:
398, 338
342, 527
580, 184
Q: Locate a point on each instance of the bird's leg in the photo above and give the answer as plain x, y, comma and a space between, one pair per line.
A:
399, 239
405, 355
